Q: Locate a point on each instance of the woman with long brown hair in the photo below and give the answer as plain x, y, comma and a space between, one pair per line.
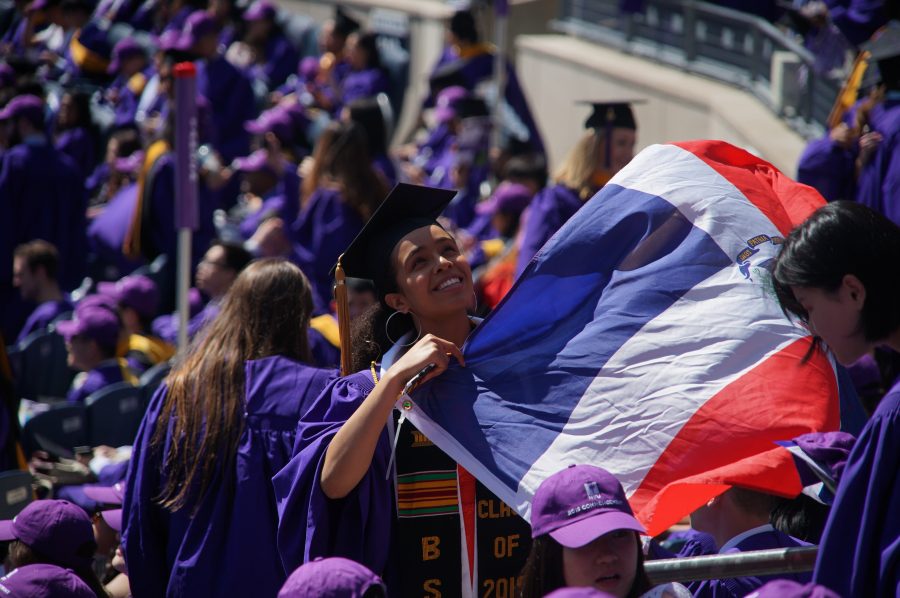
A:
199, 508
337, 197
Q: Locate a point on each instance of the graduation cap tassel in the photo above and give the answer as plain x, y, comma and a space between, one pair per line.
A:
343, 313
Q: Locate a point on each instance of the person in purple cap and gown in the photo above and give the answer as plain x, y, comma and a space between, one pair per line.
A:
333, 65
275, 57
338, 197
48, 581
230, 95
42, 196
129, 65
35, 268
602, 151
830, 274
76, 133
337, 495
92, 341
366, 78
275, 194
216, 272
199, 511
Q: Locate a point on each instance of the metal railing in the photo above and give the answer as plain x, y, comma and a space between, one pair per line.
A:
739, 564
705, 39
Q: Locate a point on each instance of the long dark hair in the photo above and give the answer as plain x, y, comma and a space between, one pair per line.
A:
341, 158
266, 312
543, 570
21, 554
842, 238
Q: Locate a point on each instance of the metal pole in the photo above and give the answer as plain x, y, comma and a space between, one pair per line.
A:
501, 19
186, 212
740, 564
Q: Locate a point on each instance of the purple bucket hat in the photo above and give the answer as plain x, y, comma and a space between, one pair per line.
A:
260, 10
46, 581
25, 106
137, 292
579, 504
507, 197
57, 529
125, 49
329, 578
93, 320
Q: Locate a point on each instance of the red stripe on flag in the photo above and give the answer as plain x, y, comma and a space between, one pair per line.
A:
785, 202
730, 439
467, 507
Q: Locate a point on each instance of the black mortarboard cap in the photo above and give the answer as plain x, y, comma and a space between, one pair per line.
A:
611, 114
449, 75
406, 208
470, 106
344, 24
884, 48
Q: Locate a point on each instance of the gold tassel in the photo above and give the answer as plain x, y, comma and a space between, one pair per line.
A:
850, 90
343, 314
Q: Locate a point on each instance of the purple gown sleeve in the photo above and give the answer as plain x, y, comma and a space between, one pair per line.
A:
829, 168
310, 524
860, 550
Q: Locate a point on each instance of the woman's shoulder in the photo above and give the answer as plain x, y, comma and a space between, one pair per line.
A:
340, 398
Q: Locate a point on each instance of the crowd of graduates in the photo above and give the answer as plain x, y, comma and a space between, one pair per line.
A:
263, 463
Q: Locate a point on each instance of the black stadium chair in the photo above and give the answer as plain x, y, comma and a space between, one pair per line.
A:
15, 493
114, 414
57, 431
39, 366
152, 378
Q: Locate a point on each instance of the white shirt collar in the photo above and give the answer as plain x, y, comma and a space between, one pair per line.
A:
744, 535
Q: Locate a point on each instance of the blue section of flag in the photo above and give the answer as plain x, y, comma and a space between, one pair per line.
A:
622, 260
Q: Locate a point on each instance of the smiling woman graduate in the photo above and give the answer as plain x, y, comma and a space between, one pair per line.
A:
411, 514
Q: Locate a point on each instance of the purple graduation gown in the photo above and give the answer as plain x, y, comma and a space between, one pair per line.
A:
108, 372
283, 201
860, 550
325, 227
231, 103
829, 168
166, 326
42, 196
228, 547
106, 232
42, 315
280, 62
878, 186
549, 210
359, 526
80, 147
737, 587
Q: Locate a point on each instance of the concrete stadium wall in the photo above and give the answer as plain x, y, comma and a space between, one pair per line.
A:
557, 70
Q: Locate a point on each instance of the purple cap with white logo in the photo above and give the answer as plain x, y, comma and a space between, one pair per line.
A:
786, 588
25, 106
259, 10
199, 24
276, 120
579, 504
57, 529
331, 577
108, 495
444, 110
137, 292
46, 581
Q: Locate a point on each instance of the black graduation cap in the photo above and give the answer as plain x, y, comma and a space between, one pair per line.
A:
470, 106
611, 114
344, 24
406, 208
885, 43
449, 75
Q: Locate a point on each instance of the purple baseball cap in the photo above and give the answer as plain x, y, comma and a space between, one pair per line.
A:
93, 320
579, 504
308, 69
276, 120
786, 588
169, 41
58, 529
199, 24
107, 495
333, 577
113, 518
130, 164
444, 111
137, 292
25, 106
44, 581
260, 10
578, 593
507, 197
125, 49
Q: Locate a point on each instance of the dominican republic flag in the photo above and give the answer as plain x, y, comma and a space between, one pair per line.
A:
645, 338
